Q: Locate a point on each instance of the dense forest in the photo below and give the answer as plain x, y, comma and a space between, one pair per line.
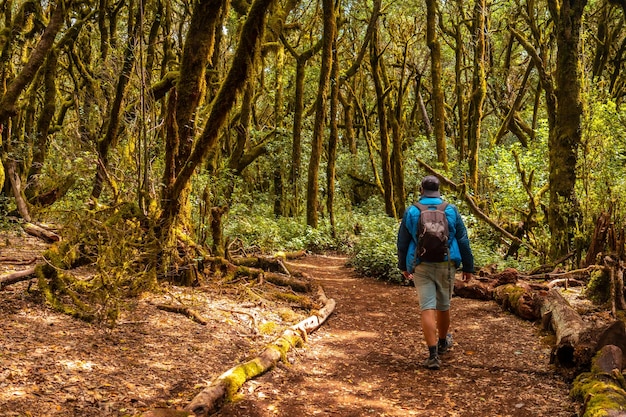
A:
175, 131
307, 110
155, 140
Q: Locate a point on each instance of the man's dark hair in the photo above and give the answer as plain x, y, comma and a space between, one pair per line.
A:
430, 186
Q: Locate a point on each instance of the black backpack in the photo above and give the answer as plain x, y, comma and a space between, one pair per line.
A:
432, 233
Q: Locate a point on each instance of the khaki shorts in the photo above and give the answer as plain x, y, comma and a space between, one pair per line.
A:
434, 282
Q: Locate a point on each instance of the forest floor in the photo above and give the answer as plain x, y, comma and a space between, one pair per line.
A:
365, 360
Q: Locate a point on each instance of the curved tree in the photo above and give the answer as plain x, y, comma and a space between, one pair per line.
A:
174, 197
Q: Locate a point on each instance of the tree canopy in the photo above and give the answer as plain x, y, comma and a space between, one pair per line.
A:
182, 108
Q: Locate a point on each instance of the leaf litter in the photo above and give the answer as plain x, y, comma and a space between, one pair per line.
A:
365, 360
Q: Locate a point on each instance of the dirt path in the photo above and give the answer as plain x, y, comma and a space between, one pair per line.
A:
366, 360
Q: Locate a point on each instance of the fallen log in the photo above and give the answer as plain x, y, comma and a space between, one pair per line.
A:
520, 299
226, 385
40, 232
557, 315
15, 277
482, 288
603, 389
596, 338
607, 359
565, 283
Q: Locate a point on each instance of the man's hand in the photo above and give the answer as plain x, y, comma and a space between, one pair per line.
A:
408, 278
467, 276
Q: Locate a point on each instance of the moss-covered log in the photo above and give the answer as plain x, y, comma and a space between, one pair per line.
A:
273, 264
254, 268
482, 288
519, 299
226, 385
602, 391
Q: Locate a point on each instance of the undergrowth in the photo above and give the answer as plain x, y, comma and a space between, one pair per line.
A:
366, 235
118, 251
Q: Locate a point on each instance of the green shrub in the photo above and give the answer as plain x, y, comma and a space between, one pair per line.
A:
261, 231
374, 254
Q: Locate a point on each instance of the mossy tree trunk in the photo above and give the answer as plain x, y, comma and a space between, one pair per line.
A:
397, 122
298, 113
183, 102
279, 102
461, 140
20, 81
113, 120
333, 139
565, 137
177, 182
312, 215
479, 89
40, 148
438, 99
385, 157
13, 85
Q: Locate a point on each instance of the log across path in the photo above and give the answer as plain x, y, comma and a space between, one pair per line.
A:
367, 360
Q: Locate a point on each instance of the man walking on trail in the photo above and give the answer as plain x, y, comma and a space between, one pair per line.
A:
433, 272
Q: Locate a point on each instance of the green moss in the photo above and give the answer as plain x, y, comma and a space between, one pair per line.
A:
301, 300
54, 288
600, 393
253, 368
240, 374
267, 327
513, 293
599, 287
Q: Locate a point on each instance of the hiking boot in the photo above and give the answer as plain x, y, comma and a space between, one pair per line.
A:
446, 346
433, 363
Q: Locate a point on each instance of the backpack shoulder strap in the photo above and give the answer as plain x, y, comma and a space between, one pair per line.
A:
423, 207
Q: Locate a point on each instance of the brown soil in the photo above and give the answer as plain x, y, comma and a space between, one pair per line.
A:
365, 360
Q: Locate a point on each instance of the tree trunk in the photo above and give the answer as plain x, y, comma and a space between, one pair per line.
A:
312, 215
428, 128
564, 139
396, 121
439, 114
243, 61
115, 112
296, 142
279, 101
40, 146
385, 158
18, 193
333, 139
459, 89
479, 90
191, 85
17, 85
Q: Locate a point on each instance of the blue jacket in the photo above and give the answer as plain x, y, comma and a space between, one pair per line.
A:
460, 251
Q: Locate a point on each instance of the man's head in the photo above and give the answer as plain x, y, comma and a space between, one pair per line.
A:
430, 186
